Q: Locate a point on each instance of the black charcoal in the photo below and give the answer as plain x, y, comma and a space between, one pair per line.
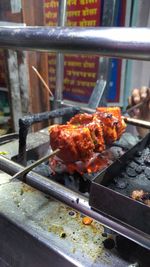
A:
122, 184
133, 165
109, 243
131, 172
139, 169
147, 172
147, 160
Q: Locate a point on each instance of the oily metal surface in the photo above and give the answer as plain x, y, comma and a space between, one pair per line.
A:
75, 200
56, 223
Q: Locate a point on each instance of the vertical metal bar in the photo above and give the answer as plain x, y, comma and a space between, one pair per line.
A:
62, 12
108, 19
60, 59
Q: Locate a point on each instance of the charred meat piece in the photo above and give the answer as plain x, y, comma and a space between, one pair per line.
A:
109, 117
96, 131
86, 133
114, 125
94, 125
81, 119
75, 143
109, 126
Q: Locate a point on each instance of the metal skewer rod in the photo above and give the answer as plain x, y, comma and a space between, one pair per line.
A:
132, 121
137, 122
21, 173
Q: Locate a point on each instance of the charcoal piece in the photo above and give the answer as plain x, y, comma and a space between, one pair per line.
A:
42, 169
146, 156
140, 184
120, 183
104, 234
143, 159
139, 160
138, 154
147, 160
123, 174
142, 177
147, 172
131, 172
139, 169
109, 243
116, 152
133, 165
146, 152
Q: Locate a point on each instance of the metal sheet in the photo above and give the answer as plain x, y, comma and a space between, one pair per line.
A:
116, 204
76, 201
60, 60
32, 224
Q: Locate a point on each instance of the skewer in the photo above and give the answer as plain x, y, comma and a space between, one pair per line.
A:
33, 165
42, 80
137, 122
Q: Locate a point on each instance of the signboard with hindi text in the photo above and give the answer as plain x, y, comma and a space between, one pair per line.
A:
80, 71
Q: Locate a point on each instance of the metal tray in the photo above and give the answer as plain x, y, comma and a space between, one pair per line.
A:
118, 204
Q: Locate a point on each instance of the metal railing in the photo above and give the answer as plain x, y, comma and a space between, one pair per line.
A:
116, 42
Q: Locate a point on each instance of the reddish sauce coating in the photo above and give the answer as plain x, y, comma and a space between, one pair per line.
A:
86, 134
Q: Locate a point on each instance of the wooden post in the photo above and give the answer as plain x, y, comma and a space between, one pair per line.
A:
39, 97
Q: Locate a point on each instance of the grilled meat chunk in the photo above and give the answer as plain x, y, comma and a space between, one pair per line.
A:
86, 133
94, 125
81, 119
114, 125
75, 143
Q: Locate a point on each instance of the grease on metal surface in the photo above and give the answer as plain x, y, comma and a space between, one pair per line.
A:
57, 223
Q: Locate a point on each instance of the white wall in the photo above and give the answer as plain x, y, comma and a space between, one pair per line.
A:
138, 72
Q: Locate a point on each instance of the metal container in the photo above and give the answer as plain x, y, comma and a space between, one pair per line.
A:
119, 205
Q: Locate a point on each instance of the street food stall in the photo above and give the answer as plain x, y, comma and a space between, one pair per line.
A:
59, 217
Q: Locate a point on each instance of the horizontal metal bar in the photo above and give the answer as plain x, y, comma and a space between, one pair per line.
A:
119, 42
75, 200
8, 137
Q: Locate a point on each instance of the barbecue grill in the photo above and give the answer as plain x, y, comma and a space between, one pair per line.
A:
43, 219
